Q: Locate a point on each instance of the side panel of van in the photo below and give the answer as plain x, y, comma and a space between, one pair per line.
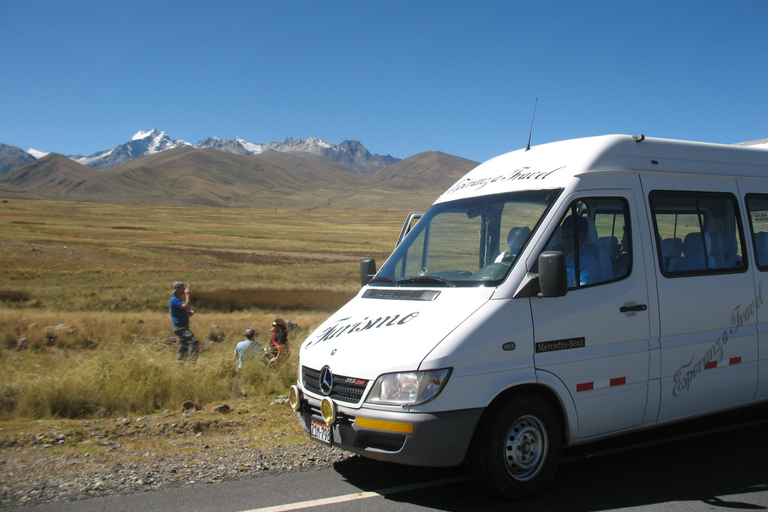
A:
709, 351
596, 339
756, 202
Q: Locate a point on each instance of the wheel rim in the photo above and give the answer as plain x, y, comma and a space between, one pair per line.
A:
525, 448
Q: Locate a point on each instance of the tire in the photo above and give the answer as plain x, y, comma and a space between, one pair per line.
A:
517, 448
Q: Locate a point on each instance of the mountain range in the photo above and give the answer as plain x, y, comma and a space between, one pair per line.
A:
152, 169
349, 153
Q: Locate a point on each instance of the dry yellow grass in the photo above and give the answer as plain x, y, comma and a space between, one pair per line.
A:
93, 257
105, 272
116, 364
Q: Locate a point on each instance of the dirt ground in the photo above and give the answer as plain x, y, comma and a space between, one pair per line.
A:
67, 460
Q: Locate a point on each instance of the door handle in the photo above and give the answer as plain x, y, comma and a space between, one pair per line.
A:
630, 309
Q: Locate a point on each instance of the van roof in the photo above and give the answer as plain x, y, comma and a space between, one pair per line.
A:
554, 164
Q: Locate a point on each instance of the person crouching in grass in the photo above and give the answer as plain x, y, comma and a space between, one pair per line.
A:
247, 348
279, 339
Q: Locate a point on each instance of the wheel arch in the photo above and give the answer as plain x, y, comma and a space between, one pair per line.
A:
544, 392
493, 448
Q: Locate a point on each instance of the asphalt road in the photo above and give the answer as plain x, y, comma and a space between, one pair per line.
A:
715, 463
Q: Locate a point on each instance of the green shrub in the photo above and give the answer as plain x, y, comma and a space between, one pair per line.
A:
14, 296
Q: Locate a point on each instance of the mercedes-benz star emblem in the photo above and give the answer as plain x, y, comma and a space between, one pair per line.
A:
326, 380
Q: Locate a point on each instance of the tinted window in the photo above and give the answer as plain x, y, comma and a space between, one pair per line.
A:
697, 233
604, 241
757, 206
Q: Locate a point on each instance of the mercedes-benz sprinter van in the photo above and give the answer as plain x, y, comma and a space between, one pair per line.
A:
551, 297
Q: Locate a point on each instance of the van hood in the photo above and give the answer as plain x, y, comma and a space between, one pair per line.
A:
385, 330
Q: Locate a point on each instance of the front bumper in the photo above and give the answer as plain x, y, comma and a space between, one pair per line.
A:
420, 439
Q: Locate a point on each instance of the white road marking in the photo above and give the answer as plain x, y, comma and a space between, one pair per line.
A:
435, 483
359, 495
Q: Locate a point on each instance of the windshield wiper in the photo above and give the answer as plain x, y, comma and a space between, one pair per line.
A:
425, 279
384, 279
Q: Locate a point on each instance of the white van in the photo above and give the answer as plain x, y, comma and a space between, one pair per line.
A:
551, 297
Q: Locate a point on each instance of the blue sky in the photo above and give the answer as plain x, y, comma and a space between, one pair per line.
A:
401, 77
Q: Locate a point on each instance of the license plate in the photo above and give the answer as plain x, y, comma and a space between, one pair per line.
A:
319, 431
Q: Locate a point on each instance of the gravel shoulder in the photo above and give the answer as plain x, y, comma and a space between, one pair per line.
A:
69, 460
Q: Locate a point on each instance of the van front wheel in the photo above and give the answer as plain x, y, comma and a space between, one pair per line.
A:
517, 448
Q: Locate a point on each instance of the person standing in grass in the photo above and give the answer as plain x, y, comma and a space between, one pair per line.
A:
247, 347
279, 339
181, 310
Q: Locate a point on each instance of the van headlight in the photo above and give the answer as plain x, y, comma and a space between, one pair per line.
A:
408, 388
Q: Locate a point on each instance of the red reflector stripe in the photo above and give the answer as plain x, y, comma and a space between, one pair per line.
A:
589, 386
721, 364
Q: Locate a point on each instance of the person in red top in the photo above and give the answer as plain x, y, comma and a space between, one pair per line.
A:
279, 339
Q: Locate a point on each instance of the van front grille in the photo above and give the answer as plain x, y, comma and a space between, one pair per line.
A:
345, 389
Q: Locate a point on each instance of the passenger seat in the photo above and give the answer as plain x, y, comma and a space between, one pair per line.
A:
718, 255
671, 250
697, 248
601, 251
761, 248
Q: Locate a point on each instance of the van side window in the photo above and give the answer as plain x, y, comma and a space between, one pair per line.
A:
595, 237
757, 205
697, 233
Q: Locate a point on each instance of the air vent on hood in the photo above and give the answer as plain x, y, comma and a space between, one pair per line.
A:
401, 294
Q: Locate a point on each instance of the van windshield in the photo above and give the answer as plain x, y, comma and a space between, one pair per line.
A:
468, 242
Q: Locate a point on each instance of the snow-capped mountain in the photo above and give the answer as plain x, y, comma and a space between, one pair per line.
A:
142, 144
237, 145
349, 153
243, 147
37, 154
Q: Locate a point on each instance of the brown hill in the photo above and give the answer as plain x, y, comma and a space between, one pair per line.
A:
201, 176
7, 191
312, 167
185, 176
437, 169
58, 177
12, 158
215, 178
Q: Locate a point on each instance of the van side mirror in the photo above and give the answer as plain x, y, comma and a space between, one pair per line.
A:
367, 270
553, 278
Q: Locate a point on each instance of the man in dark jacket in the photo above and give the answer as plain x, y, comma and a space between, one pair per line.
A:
181, 310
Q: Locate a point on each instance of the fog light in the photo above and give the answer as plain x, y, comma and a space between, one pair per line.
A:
294, 398
328, 411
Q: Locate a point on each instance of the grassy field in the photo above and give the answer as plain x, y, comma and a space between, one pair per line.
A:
84, 289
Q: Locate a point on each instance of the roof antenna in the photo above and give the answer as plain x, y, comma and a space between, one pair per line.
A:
531, 131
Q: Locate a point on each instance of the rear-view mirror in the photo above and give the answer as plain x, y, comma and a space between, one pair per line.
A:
553, 279
367, 270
